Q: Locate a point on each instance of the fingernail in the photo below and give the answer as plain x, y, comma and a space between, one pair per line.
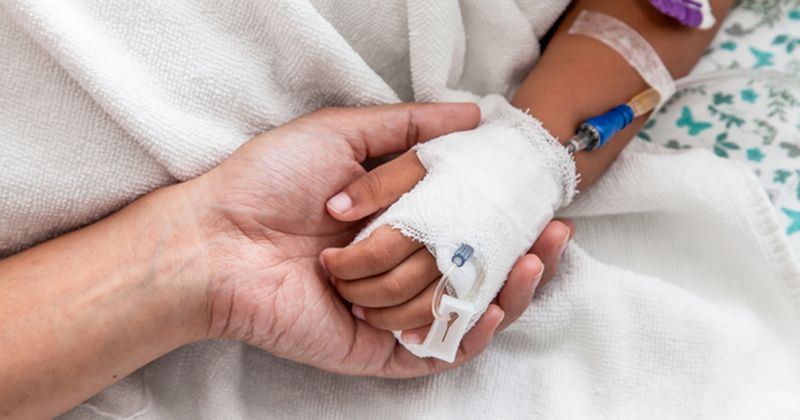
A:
561, 250
412, 338
566, 235
538, 277
564, 242
340, 203
358, 312
322, 263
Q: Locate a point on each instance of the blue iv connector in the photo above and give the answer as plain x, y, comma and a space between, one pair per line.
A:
606, 125
462, 254
595, 132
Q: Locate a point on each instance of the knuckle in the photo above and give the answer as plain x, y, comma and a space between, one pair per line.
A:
393, 288
328, 117
410, 316
336, 263
376, 318
412, 129
325, 113
381, 254
430, 266
424, 314
345, 291
372, 186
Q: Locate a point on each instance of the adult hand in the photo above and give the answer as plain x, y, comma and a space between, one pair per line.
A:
233, 253
268, 224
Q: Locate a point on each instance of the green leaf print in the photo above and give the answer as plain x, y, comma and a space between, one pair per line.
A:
674, 144
795, 216
780, 99
679, 95
770, 12
798, 185
766, 130
780, 39
730, 120
721, 98
722, 144
780, 176
792, 150
719, 151
738, 30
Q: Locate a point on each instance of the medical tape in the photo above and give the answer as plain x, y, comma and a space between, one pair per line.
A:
630, 45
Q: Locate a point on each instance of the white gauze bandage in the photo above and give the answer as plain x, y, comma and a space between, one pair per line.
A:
493, 188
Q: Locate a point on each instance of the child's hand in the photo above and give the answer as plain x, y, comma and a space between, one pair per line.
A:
390, 278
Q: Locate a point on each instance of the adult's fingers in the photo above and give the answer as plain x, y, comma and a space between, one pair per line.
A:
517, 293
551, 244
377, 189
380, 130
532, 270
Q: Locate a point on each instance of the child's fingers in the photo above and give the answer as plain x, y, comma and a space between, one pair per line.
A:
412, 314
383, 250
400, 284
377, 189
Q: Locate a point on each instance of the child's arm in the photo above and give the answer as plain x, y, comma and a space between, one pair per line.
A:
579, 77
388, 277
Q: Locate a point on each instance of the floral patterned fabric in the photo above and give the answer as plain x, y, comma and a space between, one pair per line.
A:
752, 120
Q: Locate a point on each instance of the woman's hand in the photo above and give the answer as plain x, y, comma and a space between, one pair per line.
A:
233, 253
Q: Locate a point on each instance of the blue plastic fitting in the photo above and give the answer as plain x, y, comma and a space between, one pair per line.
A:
461, 255
608, 124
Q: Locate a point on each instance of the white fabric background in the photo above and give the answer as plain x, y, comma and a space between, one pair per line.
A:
103, 102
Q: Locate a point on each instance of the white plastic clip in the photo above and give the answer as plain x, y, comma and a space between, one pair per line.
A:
446, 333
451, 316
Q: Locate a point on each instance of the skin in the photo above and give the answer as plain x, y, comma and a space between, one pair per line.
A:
231, 254
388, 277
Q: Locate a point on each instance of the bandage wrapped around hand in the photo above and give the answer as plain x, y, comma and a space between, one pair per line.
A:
493, 188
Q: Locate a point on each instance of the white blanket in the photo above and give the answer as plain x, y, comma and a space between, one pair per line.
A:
679, 297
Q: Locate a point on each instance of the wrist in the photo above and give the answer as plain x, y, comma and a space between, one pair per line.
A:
177, 255
558, 118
